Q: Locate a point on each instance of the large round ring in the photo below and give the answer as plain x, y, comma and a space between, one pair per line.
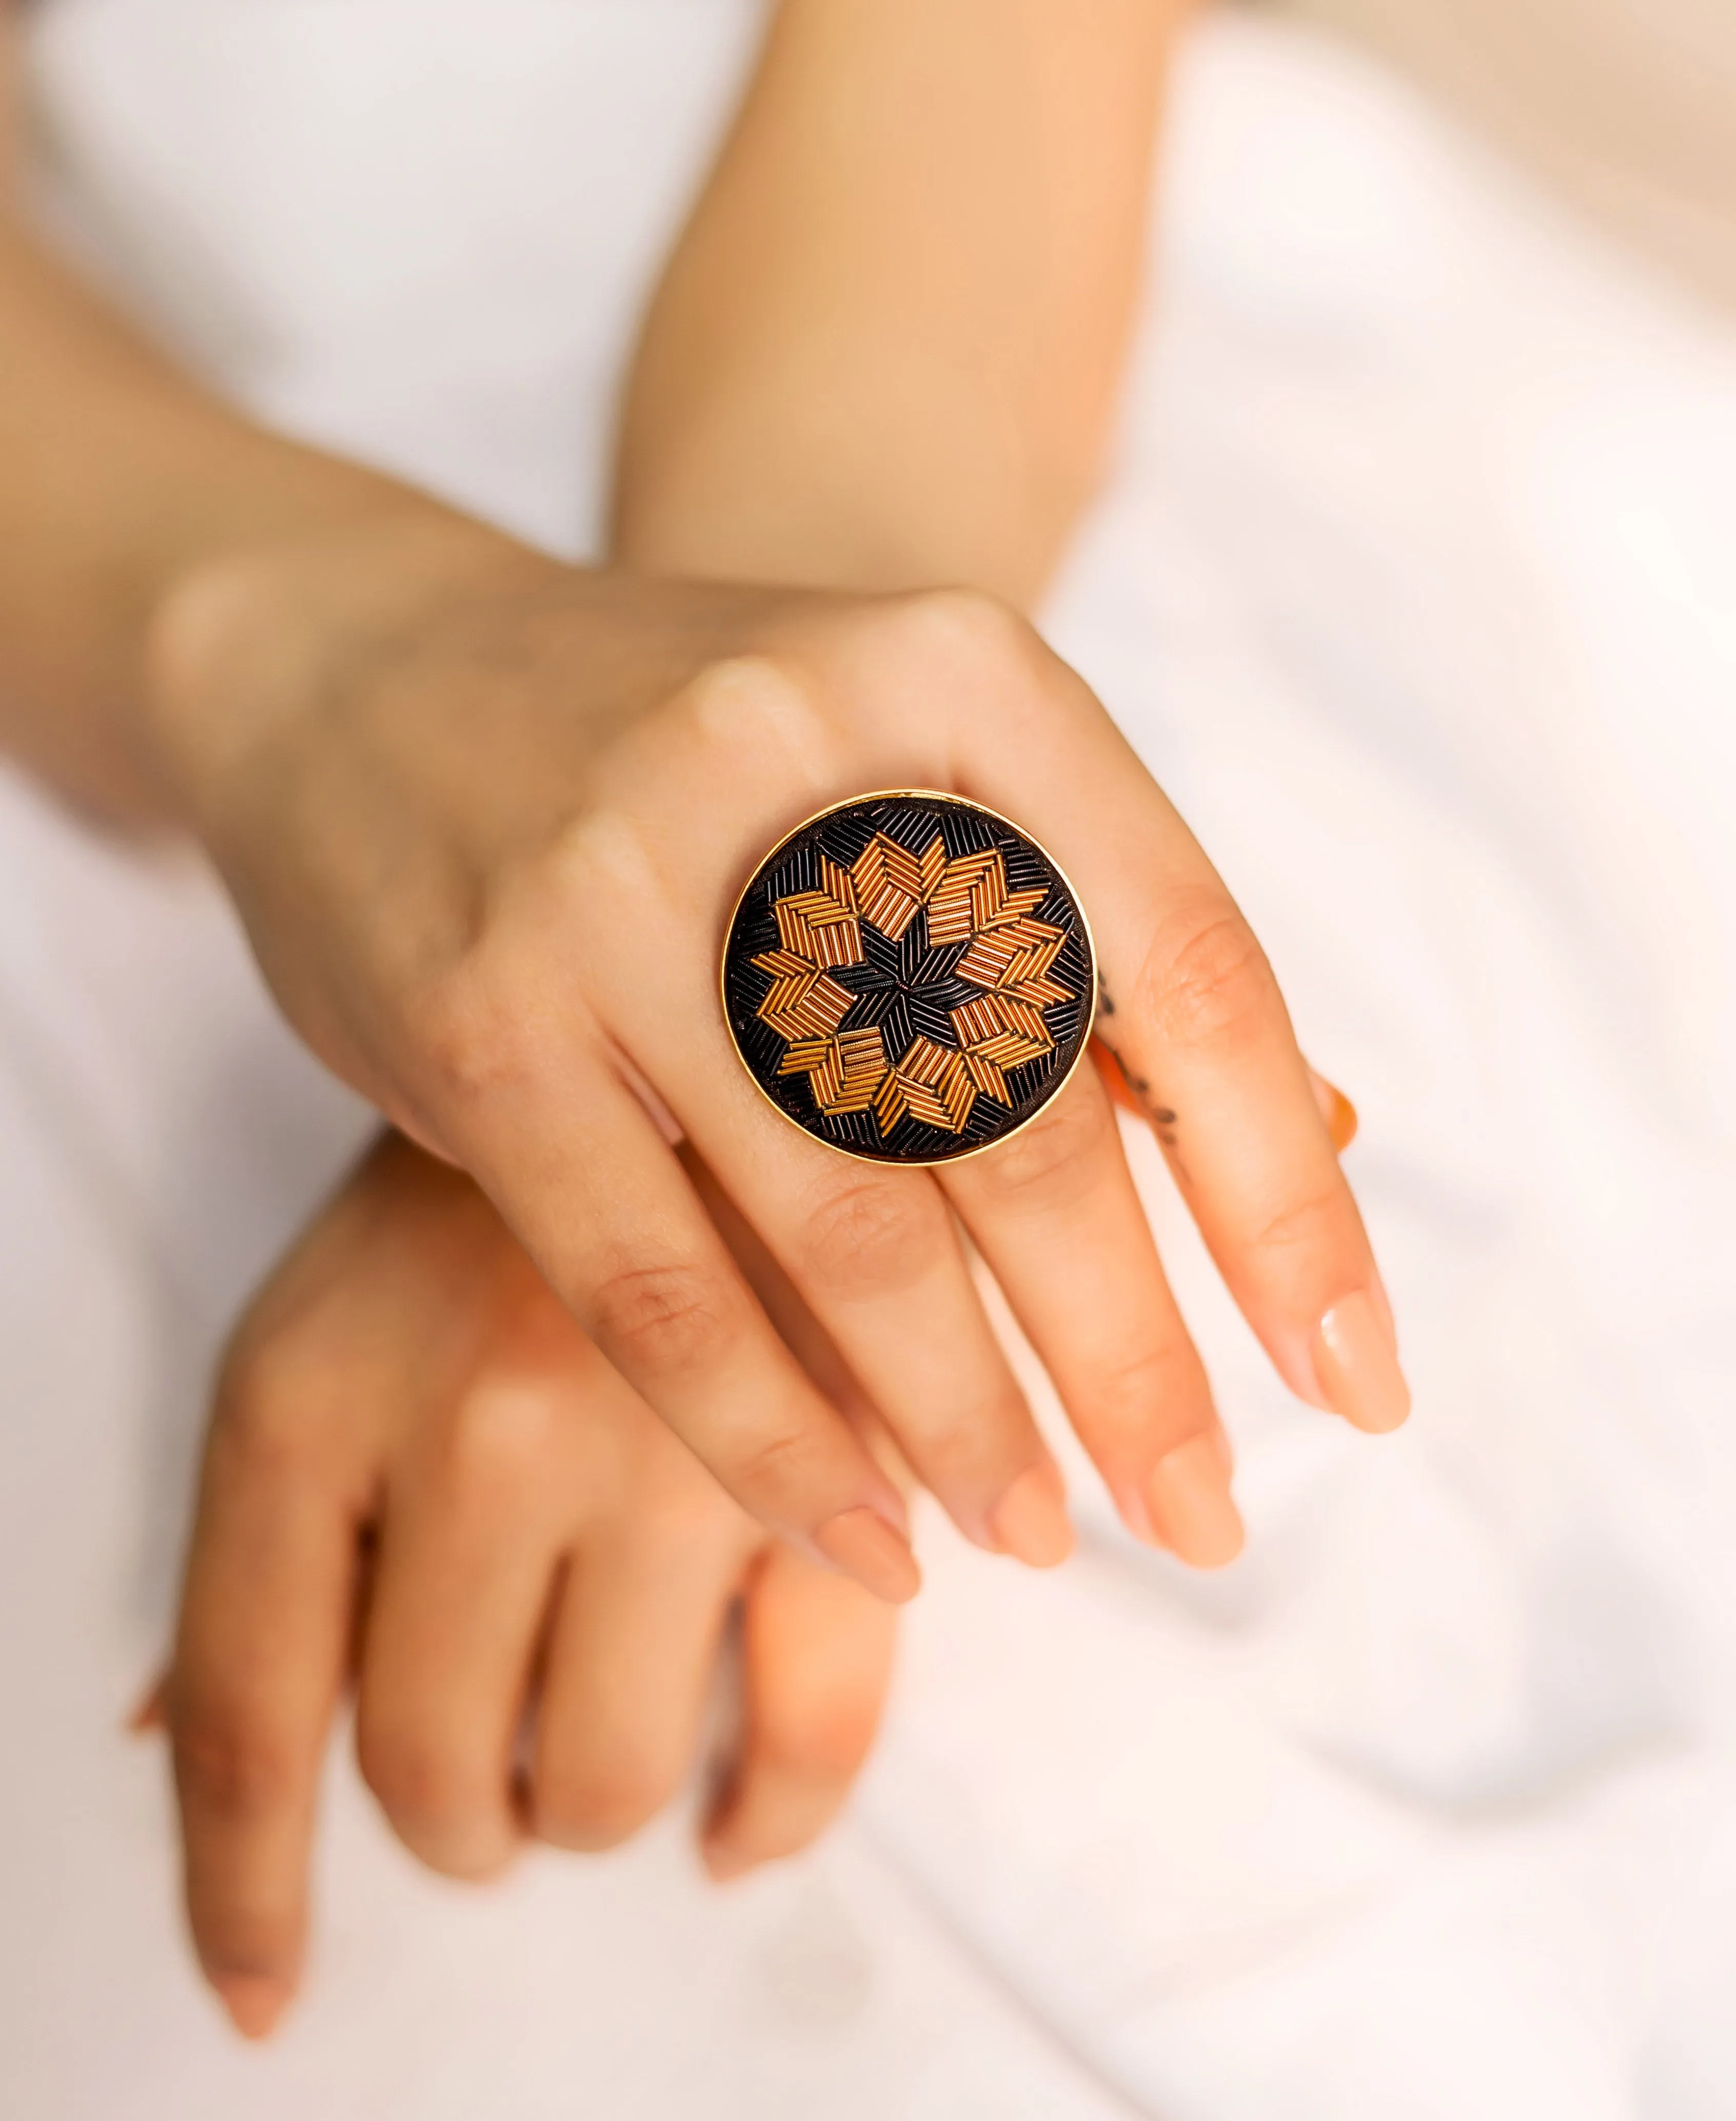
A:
909, 977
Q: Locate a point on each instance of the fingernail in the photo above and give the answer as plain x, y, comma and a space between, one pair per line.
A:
1115, 1079
1192, 1511
1335, 1109
1356, 1363
254, 2002
723, 1863
862, 1544
1030, 1521
151, 1711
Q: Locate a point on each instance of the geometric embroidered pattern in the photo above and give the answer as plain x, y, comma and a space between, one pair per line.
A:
909, 977
1009, 954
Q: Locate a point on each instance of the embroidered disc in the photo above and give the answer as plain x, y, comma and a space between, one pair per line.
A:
909, 978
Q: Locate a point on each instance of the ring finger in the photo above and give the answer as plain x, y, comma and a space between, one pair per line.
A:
1054, 1212
630, 1658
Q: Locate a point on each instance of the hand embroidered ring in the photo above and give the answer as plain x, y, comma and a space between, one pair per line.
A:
909, 977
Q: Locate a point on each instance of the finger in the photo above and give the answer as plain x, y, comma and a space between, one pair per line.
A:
150, 1714
871, 1250
1188, 1004
1055, 1213
631, 1657
874, 1255
258, 1670
471, 1539
817, 1660
1258, 1168
604, 1207
1335, 1108
796, 1324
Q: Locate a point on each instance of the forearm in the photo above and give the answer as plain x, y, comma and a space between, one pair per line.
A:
887, 349
119, 479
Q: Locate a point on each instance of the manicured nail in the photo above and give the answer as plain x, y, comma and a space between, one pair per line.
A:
1030, 1521
1335, 1109
151, 1711
1115, 1079
254, 2002
862, 1544
1192, 1508
1357, 1365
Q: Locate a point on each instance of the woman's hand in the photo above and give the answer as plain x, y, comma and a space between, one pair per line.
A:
417, 1454
485, 817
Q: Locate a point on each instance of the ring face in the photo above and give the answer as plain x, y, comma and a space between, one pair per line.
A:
909, 978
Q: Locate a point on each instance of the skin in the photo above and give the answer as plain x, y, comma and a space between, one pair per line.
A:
484, 814
604, 842
424, 1488
887, 350
421, 1478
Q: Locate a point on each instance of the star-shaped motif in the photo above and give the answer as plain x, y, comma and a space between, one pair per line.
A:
910, 983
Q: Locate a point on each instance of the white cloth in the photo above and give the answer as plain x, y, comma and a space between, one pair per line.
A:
1414, 587
1632, 108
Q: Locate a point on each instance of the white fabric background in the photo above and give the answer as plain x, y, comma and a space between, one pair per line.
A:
1415, 588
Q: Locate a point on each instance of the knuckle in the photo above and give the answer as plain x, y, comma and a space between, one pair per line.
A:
1130, 1396
271, 1400
668, 1320
778, 1476
506, 1435
601, 860
871, 1239
750, 705
1301, 1225
971, 625
1054, 1159
233, 1765
467, 1038
981, 1447
452, 1026
602, 1802
960, 653
1212, 990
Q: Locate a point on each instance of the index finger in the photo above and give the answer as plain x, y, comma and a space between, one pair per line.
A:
258, 1668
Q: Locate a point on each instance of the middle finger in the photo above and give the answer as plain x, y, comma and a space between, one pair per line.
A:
470, 1540
875, 1253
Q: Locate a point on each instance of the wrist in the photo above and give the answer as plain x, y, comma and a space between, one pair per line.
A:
241, 645
740, 486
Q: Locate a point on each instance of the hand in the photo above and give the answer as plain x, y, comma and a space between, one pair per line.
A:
415, 1450
485, 816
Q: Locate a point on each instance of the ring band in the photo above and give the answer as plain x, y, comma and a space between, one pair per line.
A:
909, 977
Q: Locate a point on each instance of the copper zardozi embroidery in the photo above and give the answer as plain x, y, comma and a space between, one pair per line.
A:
1009, 955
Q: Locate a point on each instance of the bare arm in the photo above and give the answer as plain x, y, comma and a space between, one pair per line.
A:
117, 477
885, 353
887, 349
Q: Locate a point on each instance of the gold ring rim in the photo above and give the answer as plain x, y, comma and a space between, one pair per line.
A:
919, 795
